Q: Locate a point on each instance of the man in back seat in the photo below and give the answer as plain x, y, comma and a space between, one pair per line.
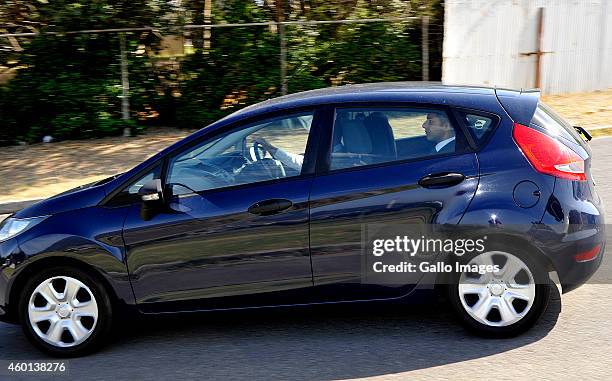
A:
440, 133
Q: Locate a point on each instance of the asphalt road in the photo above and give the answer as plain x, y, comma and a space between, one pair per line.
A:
572, 341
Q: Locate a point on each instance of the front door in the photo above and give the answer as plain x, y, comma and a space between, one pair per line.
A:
236, 230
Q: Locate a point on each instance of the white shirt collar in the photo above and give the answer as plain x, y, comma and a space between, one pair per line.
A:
441, 145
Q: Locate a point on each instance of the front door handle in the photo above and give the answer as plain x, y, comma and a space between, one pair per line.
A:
441, 180
269, 207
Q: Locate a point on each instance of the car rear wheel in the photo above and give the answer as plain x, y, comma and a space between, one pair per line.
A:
504, 303
65, 312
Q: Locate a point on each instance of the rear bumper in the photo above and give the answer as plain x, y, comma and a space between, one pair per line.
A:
573, 274
575, 226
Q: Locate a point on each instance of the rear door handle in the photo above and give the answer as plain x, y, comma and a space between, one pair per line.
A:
269, 207
441, 180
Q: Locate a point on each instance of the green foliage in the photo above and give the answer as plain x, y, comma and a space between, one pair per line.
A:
69, 86
63, 95
355, 53
7, 135
240, 69
243, 66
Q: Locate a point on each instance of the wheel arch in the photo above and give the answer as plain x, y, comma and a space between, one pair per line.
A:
501, 241
519, 241
21, 279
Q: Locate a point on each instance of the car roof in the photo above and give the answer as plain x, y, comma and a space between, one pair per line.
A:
426, 92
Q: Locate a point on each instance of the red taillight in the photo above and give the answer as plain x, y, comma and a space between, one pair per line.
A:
548, 155
588, 255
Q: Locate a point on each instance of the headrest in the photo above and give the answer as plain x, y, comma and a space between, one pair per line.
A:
355, 137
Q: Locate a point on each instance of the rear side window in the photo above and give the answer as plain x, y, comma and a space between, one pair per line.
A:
544, 117
369, 136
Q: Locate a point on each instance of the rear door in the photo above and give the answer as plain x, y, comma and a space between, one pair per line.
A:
385, 167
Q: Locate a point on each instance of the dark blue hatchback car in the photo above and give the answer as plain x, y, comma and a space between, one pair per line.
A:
270, 207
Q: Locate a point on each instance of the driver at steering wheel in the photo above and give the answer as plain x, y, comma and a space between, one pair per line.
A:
288, 159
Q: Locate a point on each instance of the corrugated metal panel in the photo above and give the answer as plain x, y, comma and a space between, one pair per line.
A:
485, 42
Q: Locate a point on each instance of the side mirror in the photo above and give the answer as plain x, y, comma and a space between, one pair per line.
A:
152, 196
152, 192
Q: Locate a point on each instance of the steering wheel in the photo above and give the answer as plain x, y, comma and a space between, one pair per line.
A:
271, 166
257, 152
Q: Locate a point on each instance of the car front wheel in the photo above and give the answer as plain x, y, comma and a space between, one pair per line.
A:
65, 312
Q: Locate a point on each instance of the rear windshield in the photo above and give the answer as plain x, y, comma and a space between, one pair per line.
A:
555, 125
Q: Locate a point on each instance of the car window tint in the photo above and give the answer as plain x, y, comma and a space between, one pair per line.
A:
266, 150
135, 187
287, 134
478, 125
366, 136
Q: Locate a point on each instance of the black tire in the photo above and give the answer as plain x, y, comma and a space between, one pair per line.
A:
101, 331
543, 286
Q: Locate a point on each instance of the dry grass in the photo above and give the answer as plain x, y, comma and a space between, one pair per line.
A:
584, 109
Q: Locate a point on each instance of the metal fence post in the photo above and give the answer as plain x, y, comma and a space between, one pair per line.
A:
425, 47
125, 85
283, 59
207, 21
283, 46
538, 70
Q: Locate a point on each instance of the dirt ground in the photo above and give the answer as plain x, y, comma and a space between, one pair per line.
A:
41, 170
584, 109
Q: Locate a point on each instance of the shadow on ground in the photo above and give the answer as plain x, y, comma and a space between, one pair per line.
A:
322, 343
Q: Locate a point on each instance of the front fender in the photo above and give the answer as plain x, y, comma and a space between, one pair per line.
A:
90, 239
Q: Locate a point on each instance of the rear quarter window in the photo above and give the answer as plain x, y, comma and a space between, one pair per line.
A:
480, 126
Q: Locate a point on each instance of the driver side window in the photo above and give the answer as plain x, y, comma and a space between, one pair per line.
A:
266, 150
